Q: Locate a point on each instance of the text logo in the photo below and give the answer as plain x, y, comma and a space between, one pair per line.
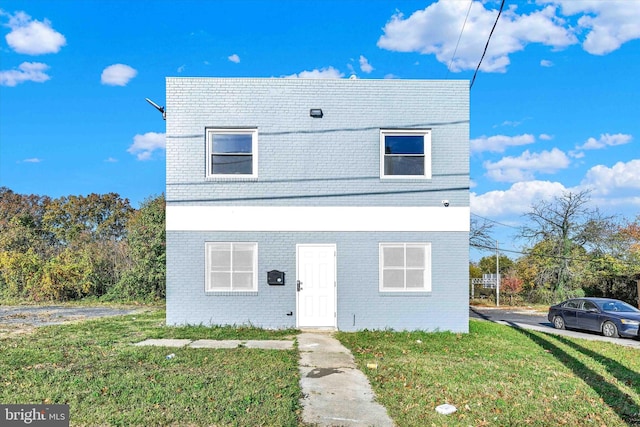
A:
34, 415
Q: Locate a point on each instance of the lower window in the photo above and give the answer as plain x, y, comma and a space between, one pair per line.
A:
231, 267
405, 267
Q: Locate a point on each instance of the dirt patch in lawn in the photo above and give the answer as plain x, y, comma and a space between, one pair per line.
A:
24, 319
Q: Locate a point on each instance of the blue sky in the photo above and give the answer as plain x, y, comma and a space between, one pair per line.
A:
555, 106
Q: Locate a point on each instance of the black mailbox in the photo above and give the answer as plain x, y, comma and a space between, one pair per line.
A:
275, 278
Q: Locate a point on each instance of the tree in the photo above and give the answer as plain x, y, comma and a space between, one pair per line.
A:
146, 279
631, 232
75, 220
511, 285
487, 264
566, 224
93, 228
20, 273
65, 248
480, 233
474, 271
21, 226
614, 266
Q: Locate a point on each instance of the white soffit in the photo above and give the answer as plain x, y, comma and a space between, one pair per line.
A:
317, 218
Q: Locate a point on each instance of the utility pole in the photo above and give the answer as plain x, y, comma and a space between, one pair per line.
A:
497, 275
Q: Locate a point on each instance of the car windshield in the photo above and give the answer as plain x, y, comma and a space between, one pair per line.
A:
618, 306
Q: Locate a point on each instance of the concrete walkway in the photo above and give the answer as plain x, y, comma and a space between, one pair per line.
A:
263, 344
335, 392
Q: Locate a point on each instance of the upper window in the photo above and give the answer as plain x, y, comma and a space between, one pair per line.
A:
405, 267
231, 266
232, 152
405, 153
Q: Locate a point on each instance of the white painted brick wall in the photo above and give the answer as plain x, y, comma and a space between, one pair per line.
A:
301, 158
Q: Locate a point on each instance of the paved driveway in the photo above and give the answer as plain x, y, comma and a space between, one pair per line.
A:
20, 319
52, 315
530, 319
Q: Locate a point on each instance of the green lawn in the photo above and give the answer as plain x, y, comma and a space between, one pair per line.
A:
495, 376
499, 376
92, 367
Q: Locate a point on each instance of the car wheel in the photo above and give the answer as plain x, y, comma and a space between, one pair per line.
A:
610, 330
558, 322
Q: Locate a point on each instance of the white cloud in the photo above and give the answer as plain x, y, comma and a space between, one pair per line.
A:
364, 65
603, 26
117, 75
545, 137
234, 58
510, 123
605, 180
576, 154
613, 188
435, 30
144, 145
623, 206
605, 140
324, 73
26, 72
111, 160
498, 143
516, 200
525, 166
32, 37
32, 160
608, 24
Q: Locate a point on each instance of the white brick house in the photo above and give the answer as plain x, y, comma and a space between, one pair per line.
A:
335, 187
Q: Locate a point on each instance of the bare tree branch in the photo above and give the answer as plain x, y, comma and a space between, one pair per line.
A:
480, 233
567, 224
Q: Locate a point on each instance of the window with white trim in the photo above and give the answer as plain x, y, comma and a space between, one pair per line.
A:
405, 153
232, 153
405, 267
231, 266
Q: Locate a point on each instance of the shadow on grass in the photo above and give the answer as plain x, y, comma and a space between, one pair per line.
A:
621, 372
621, 403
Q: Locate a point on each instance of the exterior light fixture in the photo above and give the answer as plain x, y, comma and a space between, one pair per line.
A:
157, 107
316, 113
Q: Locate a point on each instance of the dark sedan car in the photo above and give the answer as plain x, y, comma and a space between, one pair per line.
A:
611, 317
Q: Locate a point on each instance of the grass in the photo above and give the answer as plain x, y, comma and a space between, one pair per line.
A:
500, 376
504, 305
89, 301
495, 376
92, 367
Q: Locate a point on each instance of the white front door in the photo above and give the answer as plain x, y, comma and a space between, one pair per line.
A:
316, 284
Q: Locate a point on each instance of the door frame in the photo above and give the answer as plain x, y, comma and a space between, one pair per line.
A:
335, 280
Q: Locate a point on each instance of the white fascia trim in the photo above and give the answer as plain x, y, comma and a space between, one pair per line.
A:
317, 218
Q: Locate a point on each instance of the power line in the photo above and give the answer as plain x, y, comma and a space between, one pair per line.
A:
459, 37
531, 253
407, 126
487, 45
321, 180
317, 196
496, 222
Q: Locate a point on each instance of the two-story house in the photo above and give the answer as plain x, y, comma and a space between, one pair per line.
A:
337, 203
